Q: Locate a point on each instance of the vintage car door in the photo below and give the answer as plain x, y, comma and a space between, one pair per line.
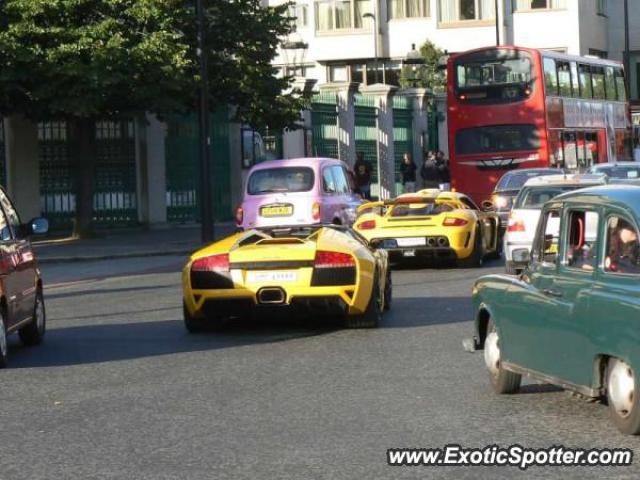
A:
532, 304
566, 339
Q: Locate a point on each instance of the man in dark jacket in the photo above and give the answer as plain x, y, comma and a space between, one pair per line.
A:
443, 171
429, 172
408, 170
362, 170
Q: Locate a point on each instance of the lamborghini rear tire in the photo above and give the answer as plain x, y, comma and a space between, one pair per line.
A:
372, 315
191, 323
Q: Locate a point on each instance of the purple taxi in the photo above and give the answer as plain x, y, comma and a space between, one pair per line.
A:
299, 191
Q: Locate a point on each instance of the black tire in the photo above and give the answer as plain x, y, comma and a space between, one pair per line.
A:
192, 324
503, 381
388, 290
627, 420
497, 253
510, 268
4, 345
372, 315
476, 258
33, 333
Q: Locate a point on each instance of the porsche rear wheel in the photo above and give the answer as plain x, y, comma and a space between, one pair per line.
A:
388, 291
372, 315
477, 255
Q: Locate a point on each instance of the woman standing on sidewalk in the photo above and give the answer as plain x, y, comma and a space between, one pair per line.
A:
408, 170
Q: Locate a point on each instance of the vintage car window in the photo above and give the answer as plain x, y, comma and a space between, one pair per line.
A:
280, 179
11, 213
469, 203
623, 247
5, 230
340, 179
328, 182
582, 240
547, 244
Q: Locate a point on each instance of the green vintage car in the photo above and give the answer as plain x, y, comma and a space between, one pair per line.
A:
572, 318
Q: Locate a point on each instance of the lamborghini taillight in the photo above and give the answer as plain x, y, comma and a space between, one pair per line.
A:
325, 259
213, 263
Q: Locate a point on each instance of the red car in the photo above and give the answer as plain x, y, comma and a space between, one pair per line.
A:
21, 300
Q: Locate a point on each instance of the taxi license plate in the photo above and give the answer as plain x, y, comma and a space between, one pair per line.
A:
411, 241
277, 211
272, 277
409, 253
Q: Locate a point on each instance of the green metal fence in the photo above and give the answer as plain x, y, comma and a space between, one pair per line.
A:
366, 134
324, 120
115, 200
3, 158
402, 134
183, 168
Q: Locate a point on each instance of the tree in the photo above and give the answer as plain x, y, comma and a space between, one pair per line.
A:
87, 59
428, 75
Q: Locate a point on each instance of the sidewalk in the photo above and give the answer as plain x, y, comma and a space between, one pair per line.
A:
173, 240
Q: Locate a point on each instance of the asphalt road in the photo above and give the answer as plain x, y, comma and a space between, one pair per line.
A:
119, 390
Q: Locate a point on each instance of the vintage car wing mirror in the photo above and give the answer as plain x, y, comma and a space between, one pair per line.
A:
488, 206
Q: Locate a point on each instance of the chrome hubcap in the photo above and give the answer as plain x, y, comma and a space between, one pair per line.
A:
39, 316
492, 353
621, 387
3, 339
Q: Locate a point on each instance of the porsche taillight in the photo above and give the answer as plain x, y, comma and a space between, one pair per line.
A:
212, 263
325, 259
454, 222
366, 225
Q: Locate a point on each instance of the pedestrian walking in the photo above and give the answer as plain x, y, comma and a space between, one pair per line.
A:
408, 170
362, 170
443, 172
429, 172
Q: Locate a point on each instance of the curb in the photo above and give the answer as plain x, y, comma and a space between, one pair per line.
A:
95, 258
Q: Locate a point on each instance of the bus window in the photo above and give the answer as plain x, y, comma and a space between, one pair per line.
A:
622, 91
610, 83
574, 79
585, 81
497, 138
591, 144
550, 76
570, 151
556, 155
597, 77
580, 150
564, 78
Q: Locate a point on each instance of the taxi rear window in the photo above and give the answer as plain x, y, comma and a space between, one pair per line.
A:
280, 180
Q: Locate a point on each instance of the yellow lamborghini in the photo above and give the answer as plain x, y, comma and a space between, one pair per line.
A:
430, 225
303, 270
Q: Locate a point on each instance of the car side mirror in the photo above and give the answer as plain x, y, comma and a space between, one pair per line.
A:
37, 226
488, 206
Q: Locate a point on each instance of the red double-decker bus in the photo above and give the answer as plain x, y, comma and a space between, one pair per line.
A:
512, 107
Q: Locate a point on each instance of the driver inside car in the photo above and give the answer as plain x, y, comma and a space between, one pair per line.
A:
624, 254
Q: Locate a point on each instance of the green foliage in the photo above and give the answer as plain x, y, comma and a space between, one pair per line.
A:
427, 75
90, 58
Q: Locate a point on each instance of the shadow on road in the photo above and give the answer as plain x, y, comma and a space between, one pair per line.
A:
426, 311
105, 291
89, 344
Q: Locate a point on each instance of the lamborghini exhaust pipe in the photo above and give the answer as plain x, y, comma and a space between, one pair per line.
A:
271, 296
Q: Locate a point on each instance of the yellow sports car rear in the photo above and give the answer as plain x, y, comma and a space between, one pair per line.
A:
304, 271
430, 225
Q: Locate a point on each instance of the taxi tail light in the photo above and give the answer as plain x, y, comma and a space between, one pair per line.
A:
454, 222
315, 211
515, 224
366, 225
213, 263
325, 259
239, 216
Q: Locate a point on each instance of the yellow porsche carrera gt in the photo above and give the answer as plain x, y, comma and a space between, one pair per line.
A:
303, 270
430, 225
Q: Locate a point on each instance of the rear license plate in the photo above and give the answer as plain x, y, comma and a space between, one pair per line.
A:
277, 211
411, 241
409, 253
272, 277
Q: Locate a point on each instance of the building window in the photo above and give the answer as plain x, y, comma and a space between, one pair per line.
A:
526, 5
594, 52
600, 7
408, 9
338, 73
341, 14
298, 15
452, 11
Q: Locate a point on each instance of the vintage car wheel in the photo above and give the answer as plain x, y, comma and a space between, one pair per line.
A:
372, 315
388, 291
623, 401
477, 255
4, 347
33, 334
503, 381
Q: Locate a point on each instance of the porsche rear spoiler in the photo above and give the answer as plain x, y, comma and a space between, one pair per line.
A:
395, 201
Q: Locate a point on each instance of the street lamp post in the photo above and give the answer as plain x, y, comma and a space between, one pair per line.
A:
375, 40
204, 133
497, 23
